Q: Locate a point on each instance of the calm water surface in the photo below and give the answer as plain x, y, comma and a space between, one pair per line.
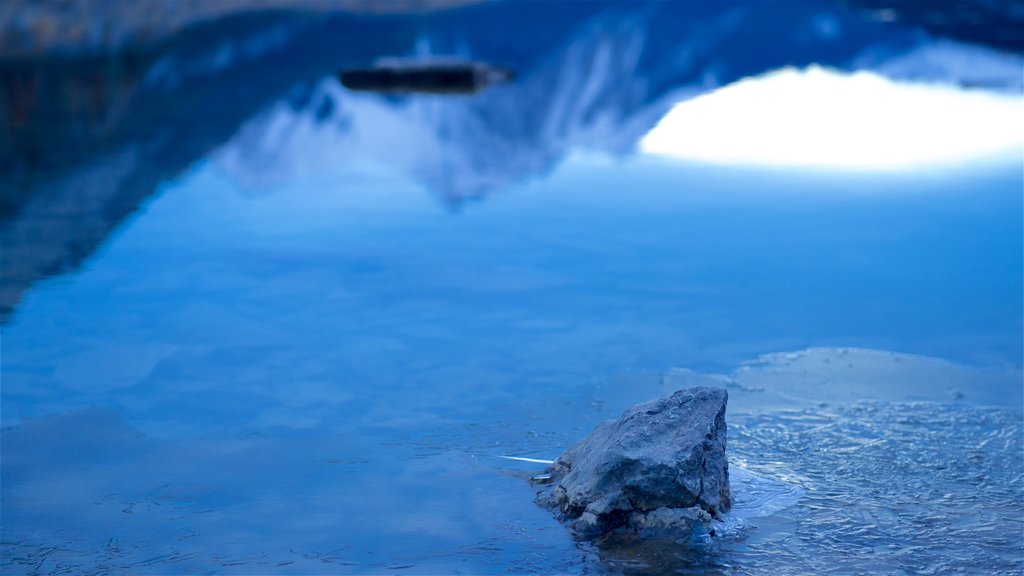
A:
319, 379
305, 352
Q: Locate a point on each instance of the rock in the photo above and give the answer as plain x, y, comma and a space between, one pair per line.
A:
655, 472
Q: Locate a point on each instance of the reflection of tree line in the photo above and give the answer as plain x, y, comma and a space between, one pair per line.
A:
33, 27
57, 112
83, 141
83, 147
997, 24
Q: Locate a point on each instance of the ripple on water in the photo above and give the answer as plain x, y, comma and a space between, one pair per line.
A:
754, 496
895, 488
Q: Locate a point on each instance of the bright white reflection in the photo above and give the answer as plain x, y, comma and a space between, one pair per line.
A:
822, 118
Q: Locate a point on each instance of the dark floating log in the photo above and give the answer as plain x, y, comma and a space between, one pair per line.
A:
425, 76
657, 471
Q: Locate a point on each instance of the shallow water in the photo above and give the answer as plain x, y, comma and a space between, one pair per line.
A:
313, 381
306, 350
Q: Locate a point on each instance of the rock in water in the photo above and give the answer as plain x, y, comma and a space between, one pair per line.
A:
656, 471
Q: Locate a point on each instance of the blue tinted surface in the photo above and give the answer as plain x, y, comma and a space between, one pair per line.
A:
318, 378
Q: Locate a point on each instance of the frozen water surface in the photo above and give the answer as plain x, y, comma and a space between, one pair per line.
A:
297, 336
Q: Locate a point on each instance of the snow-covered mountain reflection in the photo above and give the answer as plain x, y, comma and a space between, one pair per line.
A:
261, 99
602, 91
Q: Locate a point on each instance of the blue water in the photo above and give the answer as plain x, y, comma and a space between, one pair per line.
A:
253, 323
318, 379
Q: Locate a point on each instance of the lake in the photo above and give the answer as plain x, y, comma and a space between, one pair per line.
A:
257, 323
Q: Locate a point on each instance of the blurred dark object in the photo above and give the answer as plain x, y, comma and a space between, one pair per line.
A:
428, 76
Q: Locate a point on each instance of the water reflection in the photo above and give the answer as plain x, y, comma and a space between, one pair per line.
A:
818, 118
85, 142
424, 75
293, 361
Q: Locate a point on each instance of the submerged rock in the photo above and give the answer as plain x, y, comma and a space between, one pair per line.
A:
655, 472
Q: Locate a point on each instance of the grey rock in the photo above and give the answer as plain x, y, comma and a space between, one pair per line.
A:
656, 472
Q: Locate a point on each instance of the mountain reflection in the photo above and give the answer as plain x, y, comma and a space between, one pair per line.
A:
84, 141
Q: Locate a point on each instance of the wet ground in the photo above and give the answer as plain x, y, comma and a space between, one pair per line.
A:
299, 343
